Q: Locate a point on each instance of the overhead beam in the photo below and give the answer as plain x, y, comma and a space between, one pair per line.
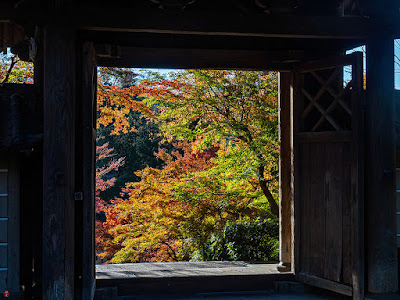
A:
152, 40
196, 58
115, 18
194, 23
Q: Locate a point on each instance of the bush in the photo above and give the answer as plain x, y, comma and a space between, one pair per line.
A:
245, 240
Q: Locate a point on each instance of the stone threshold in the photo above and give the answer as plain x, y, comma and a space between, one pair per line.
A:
189, 277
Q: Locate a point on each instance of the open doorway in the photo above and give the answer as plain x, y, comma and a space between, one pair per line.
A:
187, 170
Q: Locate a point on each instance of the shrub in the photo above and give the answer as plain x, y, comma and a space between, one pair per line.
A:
245, 240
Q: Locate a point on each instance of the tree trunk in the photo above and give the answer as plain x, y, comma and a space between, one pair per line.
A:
267, 193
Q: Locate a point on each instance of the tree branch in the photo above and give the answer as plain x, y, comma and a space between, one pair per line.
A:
13, 62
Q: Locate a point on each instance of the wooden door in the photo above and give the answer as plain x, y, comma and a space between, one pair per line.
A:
328, 162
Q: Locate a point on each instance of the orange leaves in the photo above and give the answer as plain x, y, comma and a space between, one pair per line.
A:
115, 103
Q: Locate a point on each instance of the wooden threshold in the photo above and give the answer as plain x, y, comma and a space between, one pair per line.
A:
189, 277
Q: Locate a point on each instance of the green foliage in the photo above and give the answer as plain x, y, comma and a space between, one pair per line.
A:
245, 240
14, 70
234, 107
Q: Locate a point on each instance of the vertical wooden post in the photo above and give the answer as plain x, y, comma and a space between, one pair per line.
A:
88, 102
58, 163
382, 268
285, 173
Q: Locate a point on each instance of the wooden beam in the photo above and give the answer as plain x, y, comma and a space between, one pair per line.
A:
197, 58
124, 19
382, 268
180, 41
118, 18
58, 163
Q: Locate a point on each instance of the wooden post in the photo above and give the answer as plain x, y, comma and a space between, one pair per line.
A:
382, 268
88, 102
58, 163
285, 173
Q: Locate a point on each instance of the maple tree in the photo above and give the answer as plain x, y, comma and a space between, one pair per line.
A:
228, 155
206, 107
173, 211
14, 70
103, 180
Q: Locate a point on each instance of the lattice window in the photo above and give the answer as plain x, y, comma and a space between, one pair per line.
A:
327, 103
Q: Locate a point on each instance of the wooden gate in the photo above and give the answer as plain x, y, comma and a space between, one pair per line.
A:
329, 177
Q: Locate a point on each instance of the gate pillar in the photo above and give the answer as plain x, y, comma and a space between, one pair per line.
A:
285, 173
382, 268
58, 163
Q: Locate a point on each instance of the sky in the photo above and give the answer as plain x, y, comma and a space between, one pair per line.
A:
396, 62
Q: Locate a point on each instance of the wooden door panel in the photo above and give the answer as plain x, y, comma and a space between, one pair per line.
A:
329, 176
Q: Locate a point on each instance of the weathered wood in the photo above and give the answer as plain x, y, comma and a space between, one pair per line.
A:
334, 201
127, 20
10, 34
88, 102
326, 284
285, 173
304, 164
346, 225
4, 179
357, 180
330, 169
324, 137
328, 63
58, 164
321, 109
296, 106
10, 222
321, 91
139, 57
166, 41
380, 167
20, 117
13, 222
317, 203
